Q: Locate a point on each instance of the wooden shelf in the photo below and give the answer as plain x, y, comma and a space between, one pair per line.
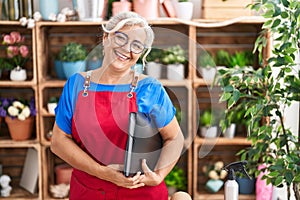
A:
204, 195
222, 141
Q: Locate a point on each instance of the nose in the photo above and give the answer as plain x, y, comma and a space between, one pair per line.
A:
127, 47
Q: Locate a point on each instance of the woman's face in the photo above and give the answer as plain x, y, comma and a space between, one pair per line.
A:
124, 47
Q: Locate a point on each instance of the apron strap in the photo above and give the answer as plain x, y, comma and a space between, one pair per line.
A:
87, 83
133, 83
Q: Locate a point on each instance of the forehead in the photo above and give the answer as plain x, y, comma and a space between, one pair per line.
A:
134, 32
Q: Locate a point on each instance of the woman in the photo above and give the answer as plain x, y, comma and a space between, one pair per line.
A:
90, 130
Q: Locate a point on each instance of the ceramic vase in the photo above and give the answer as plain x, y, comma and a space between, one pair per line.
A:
154, 70
175, 72
63, 173
147, 9
20, 130
18, 74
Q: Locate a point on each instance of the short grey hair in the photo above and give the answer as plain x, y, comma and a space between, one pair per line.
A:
129, 19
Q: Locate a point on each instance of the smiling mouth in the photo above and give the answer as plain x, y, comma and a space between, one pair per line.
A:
121, 56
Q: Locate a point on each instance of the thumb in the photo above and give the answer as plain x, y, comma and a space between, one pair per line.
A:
145, 167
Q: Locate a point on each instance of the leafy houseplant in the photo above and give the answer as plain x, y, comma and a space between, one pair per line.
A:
207, 66
265, 96
72, 56
153, 66
176, 179
208, 124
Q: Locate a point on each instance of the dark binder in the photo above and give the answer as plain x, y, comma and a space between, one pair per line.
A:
144, 142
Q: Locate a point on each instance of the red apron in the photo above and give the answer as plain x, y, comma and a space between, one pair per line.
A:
99, 127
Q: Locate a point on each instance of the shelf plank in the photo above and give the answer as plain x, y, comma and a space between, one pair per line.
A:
222, 141
8, 143
17, 84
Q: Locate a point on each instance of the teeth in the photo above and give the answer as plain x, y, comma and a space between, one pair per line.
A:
122, 56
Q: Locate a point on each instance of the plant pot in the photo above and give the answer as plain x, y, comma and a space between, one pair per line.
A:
147, 9
184, 10
59, 69
213, 186
71, 68
51, 108
246, 185
209, 132
230, 131
93, 64
154, 69
18, 74
208, 74
20, 130
122, 6
175, 72
63, 173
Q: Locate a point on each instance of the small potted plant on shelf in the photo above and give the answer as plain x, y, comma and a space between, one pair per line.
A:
176, 180
94, 58
175, 58
52, 103
215, 175
19, 117
17, 55
153, 66
222, 58
241, 59
73, 57
207, 66
184, 9
209, 128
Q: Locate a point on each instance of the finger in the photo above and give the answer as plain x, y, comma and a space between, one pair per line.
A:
136, 177
145, 167
137, 186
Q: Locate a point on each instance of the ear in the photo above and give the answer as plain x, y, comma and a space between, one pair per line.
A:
105, 36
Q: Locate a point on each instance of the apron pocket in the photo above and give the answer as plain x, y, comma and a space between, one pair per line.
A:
78, 191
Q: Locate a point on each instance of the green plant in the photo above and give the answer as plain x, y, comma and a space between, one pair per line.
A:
176, 178
72, 52
173, 55
207, 118
266, 95
53, 99
154, 55
241, 59
206, 60
222, 58
183, 0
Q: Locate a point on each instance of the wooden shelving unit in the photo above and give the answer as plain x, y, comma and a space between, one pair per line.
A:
191, 94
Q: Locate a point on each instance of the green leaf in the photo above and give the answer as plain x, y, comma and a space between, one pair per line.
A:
285, 3
276, 23
284, 15
236, 95
278, 180
225, 96
289, 177
273, 174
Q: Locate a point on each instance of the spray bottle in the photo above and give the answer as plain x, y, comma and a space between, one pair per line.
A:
231, 186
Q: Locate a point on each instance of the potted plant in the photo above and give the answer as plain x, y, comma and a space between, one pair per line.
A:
176, 180
241, 59
209, 128
19, 117
175, 58
52, 103
215, 174
222, 58
184, 9
153, 66
207, 66
95, 58
73, 57
17, 55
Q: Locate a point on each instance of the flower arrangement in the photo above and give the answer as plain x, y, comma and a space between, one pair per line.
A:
14, 108
17, 53
214, 171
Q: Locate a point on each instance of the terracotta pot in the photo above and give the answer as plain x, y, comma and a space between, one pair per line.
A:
147, 9
20, 130
121, 6
63, 173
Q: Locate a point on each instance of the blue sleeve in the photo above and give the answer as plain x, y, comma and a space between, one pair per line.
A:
65, 107
155, 101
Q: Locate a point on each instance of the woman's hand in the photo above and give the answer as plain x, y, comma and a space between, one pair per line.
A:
115, 176
150, 178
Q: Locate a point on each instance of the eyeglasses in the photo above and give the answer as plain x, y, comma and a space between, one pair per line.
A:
121, 39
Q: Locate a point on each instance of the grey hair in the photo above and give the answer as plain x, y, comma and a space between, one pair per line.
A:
130, 19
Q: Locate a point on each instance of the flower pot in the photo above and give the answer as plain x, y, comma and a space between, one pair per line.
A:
184, 10
230, 131
59, 69
213, 186
209, 132
18, 74
122, 6
208, 74
20, 130
175, 72
63, 173
71, 68
154, 69
147, 9
246, 185
93, 64
51, 108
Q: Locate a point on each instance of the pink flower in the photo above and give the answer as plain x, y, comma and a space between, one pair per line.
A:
12, 51
16, 37
24, 51
7, 39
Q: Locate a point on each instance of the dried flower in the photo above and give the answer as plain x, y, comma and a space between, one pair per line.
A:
214, 170
17, 53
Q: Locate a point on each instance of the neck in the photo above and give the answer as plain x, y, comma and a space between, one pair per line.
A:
108, 76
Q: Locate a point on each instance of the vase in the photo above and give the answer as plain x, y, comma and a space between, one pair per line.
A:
147, 9
20, 130
59, 69
63, 173
18, 74
48, 7
154, 69
71, 68
51, 108
175, 72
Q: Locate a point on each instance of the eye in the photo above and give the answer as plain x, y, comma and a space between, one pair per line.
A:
121, 38
137, 46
